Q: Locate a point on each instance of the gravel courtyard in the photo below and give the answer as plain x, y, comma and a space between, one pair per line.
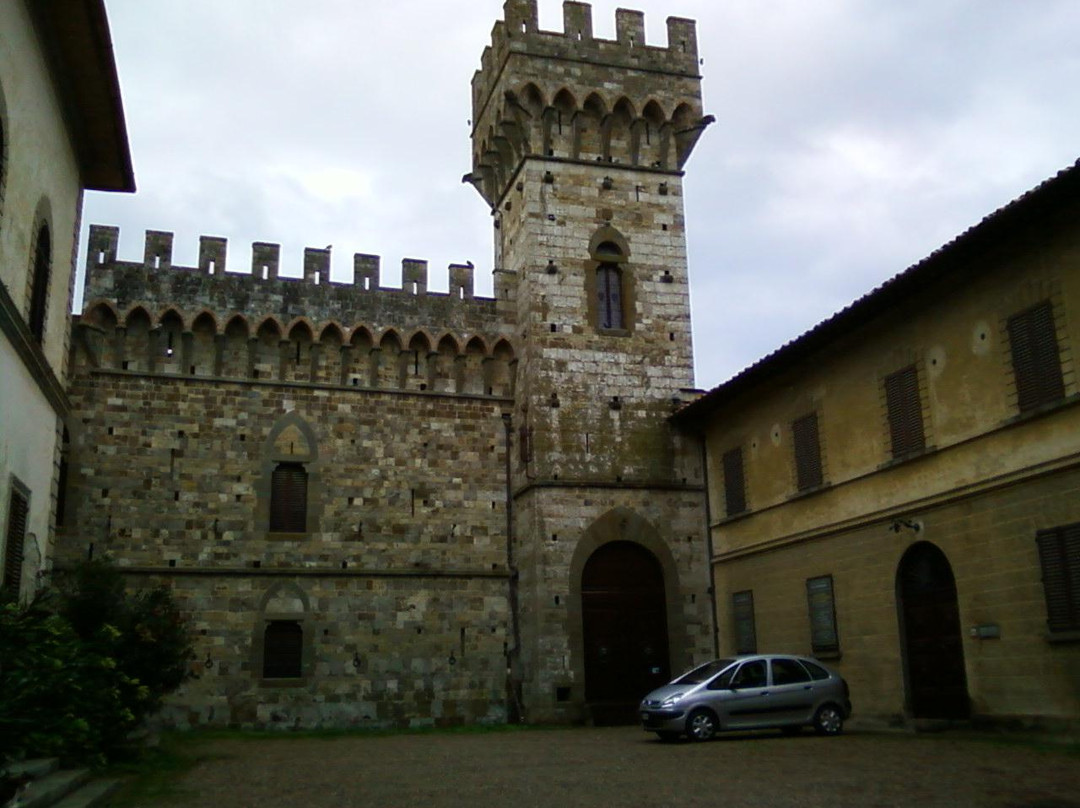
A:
625, 766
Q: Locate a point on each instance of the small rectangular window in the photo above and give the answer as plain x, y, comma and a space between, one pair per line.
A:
807, 451
819, 596
1036, 360
18, 511
1059, 555
283, 650
742, 605
904, 406
734, 482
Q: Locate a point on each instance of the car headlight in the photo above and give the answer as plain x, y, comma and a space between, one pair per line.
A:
670, 701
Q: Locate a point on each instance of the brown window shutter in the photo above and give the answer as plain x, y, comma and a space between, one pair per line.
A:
905, 412
734, 482
807, 451
283, 650
288, 499
1059, 555
16, 536
1035, 357
742, 606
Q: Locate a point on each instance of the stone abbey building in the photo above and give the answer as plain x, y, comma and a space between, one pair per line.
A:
393, 506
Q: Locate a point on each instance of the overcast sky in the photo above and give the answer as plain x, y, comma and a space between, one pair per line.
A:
853, 137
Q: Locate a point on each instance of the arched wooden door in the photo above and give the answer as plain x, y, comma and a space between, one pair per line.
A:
624, 616
933, 642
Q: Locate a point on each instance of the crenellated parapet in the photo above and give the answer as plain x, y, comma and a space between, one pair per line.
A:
567, 95
153, 316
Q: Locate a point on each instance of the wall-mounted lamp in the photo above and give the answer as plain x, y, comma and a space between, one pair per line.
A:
208, 663
356, 660
452, 660
897, 524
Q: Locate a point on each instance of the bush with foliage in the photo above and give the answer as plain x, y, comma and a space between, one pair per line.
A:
84, 663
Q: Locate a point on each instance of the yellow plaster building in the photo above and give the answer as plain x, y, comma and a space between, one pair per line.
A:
897, 489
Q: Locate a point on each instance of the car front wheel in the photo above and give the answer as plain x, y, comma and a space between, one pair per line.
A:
828, 720
701, 725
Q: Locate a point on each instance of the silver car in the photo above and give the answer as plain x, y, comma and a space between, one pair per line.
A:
749, 692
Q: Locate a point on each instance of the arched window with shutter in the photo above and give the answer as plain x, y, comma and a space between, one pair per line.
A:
288, 492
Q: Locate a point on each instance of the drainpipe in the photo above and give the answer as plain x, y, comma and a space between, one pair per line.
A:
709, 545
513, 657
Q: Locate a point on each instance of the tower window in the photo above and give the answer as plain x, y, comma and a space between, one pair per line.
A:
609, 296
288, 499
39, 290
1035, 357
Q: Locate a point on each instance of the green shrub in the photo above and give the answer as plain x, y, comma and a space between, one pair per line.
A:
84, 664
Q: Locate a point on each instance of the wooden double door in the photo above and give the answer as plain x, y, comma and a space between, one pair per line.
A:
625, 633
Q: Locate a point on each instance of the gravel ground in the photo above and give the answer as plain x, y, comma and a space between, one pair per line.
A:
627, 767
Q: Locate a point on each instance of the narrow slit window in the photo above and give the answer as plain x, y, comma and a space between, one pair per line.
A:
288, 499
734, 482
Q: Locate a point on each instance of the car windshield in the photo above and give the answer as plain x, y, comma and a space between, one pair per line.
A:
703, 673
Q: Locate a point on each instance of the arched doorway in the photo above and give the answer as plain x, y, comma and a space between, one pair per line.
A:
930, 630
624, 628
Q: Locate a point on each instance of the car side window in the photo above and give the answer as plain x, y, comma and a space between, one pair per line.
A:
723, 681
788, 672
751, 674
817, 673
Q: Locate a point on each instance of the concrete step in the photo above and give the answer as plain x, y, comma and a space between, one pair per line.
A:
33, 768
93, 793
53, 787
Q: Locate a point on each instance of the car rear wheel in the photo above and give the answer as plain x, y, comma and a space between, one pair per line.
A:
701, 725
828, 720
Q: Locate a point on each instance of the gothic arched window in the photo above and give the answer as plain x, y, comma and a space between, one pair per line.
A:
610, 298
39, 289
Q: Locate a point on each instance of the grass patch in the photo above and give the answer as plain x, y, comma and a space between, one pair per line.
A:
151, 776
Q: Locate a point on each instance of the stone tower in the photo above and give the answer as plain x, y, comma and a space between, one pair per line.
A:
579, 145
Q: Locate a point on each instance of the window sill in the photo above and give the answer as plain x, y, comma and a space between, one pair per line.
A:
276, 536
734, 517
827, 655
612, 332
905, 458
298, 682
1041, 410
808, 492
1062, 637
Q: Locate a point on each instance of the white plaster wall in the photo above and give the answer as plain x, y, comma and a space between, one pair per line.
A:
41, 164
27, 441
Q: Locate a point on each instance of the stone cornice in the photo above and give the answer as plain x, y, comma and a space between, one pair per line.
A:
18, 334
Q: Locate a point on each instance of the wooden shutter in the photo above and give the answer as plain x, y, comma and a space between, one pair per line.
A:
1059, 554
807, 451
1035, 358
288, 499
13, 548
283, 650
905, 412
742, 604
822, 605
734, 483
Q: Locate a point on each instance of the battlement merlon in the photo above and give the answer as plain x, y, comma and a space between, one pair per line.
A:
103, 244
518, 32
